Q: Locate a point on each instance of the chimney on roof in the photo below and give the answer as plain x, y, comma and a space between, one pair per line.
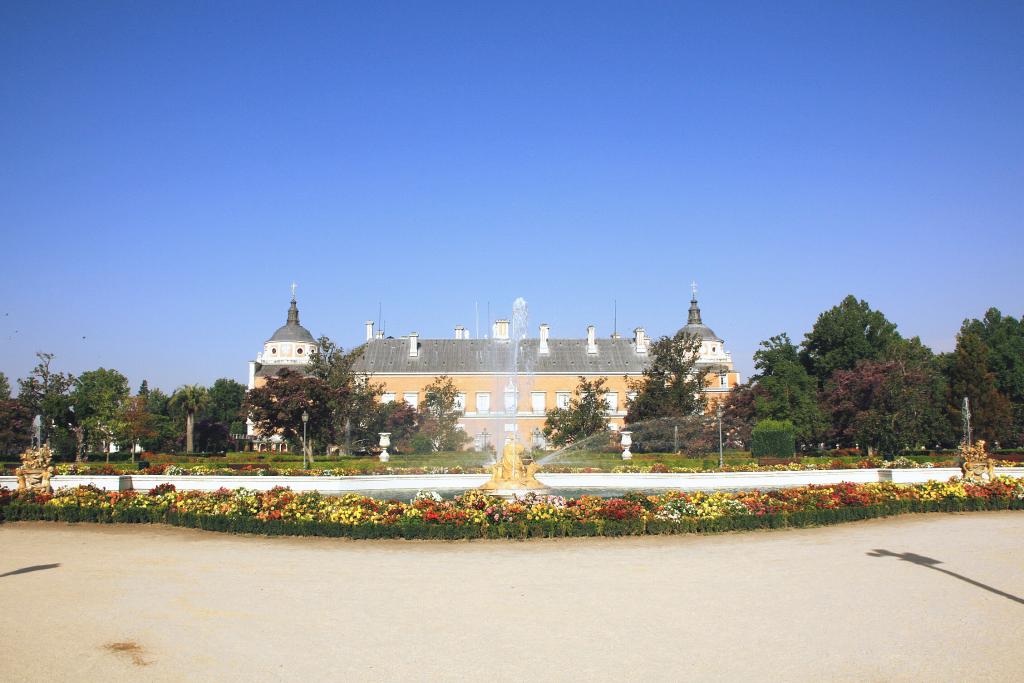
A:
380, 334
545, 330
591, 339
640, 339
501, 329
369, 330
460, 332
414, 344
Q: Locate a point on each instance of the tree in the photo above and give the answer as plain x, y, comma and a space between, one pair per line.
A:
398, 418
15, 426
355, 405
439, 416
844, 335
585, 415
969, 376
191, 398
137, 423
225, 404
277, 407
45, 392
888, 405
1004, 338
673, 384
5, 387
785, 390
168, 424
739, 414
98, 399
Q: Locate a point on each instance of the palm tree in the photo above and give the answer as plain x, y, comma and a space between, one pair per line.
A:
191, 397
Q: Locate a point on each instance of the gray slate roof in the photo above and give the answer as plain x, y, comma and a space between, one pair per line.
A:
455, 356
292, 333
701, 330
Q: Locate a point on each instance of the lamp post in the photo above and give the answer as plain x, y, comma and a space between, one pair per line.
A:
483, 435
721, 452
305, 420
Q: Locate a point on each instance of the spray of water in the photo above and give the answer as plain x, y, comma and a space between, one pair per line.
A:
514, 369
694, 435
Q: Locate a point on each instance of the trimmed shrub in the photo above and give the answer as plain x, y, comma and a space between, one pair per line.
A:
773, 439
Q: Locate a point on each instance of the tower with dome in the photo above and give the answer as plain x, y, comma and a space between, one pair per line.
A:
289, 348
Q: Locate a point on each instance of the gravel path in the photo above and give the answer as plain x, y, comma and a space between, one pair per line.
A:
861, 601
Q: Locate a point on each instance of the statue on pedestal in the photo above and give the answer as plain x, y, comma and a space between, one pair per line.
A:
511, 473
977, 466
36, 470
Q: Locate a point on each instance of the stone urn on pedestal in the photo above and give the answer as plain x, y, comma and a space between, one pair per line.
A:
385, 441
626, 440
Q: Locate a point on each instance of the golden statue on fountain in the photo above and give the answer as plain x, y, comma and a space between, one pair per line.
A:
977, 467
511, 475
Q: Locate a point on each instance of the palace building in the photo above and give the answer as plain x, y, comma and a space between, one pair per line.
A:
497, 401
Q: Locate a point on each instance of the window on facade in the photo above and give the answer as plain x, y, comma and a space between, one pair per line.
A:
537, 402
612, 399
412, 398
460, 402
723, 380
630, 396
483, 403
511, 399
562, 399
387, 397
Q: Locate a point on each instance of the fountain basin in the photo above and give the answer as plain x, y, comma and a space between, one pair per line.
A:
556, 482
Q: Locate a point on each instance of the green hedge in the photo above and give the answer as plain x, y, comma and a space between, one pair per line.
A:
414, 529
773, 439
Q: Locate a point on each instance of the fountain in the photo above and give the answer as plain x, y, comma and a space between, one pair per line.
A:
511, 475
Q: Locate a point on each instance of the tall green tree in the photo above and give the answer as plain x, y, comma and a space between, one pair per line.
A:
5, 387
970, 376
786, 392
191, 398
440, 414
1004, 338
586, 414
225, 404
46, 392
356, 410
98, 399
844, 335
673, 384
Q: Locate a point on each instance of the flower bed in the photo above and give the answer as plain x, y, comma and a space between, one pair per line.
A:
477, 515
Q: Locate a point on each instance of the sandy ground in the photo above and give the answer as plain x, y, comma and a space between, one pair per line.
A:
91, 602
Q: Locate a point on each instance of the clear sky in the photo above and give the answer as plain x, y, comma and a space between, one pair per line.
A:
168, 169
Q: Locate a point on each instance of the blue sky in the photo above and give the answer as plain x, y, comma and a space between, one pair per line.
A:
168, 169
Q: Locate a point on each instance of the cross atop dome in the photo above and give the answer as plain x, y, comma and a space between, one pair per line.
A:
294, 287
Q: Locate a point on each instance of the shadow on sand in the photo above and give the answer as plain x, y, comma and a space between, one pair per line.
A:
33, 568
931, 563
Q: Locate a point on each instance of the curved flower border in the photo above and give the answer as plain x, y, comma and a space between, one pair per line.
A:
475, 514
